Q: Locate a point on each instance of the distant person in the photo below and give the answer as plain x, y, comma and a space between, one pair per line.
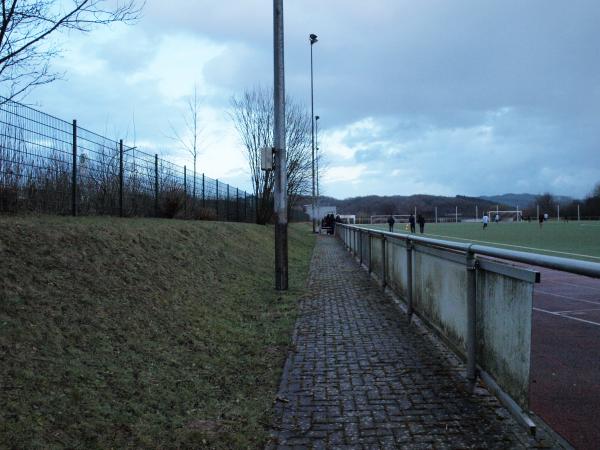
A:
391, 223
421, 222
497, 218
485, 221
541, 220
545, 217
411, 221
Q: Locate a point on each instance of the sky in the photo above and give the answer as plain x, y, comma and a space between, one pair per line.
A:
441, 97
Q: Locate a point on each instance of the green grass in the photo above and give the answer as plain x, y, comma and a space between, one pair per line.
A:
579, 240
142, 333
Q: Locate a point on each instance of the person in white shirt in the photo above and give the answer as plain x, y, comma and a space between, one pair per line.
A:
485, 221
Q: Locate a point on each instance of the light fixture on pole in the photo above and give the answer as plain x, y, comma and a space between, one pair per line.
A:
317, 170
313, 40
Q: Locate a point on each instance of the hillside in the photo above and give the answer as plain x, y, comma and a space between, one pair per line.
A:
141, 333
398, 204
521, 200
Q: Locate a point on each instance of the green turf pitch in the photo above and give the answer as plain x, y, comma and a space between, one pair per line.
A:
580, 240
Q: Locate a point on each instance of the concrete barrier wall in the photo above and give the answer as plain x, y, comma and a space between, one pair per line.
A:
503, 298
504, 313
440, 296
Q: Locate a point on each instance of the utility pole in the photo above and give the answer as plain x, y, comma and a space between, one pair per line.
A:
313, 40
281, 250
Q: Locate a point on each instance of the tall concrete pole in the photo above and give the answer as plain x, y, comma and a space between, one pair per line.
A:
318, 202
313, 40
281, 249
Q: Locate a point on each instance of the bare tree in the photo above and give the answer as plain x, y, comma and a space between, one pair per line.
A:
189, 140
252, 115
25, 52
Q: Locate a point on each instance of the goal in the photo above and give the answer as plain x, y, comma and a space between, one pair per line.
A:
505, 216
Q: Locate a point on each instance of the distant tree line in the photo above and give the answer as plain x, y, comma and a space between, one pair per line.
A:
589, 207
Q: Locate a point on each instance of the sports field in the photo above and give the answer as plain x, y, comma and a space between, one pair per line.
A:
579, 240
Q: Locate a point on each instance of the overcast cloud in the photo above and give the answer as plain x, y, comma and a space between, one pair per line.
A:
435, 97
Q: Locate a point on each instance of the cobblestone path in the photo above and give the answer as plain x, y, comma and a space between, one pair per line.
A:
361, 377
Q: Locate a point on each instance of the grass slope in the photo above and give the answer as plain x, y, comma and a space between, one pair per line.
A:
579, 240
140, 332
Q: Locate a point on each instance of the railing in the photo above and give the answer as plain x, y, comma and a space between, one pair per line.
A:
48, 165
470, 295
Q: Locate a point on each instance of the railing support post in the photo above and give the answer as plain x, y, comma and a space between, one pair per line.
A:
409, 279
471, 265
227, 205
383, 263
74, 174
121, 178
360, 242
369, 244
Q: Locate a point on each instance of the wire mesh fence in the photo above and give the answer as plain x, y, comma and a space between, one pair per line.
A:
48, 165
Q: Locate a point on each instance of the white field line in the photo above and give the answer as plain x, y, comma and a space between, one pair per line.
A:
567, 317
517, 246
575, 311
572, 284
566, 296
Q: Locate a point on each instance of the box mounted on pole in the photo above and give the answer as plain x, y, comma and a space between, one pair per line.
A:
267, 157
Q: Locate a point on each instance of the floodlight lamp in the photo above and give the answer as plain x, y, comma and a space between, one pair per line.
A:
313, 38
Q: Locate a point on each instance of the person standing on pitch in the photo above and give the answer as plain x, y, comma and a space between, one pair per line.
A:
411, 220
485, 220
541, 220
391, 223
421, 222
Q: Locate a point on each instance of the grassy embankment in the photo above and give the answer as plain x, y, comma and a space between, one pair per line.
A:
579, 240
144, 333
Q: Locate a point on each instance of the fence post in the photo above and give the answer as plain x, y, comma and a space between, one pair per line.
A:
237, 205
203, 197
74, 174
185, 191
471, 265
217, 199
409, 279
227, 205
121, 178
245, 206
383, 258
156, 184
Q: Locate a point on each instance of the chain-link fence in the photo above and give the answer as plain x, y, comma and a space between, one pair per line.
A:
48, 165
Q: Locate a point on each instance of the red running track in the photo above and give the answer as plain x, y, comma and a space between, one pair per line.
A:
565, 356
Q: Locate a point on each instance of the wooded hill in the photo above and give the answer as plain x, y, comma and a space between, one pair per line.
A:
399, 204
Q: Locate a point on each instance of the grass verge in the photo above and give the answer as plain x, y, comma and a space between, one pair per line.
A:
141, 332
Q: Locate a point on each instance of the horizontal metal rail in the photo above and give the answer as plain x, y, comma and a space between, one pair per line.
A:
588, 268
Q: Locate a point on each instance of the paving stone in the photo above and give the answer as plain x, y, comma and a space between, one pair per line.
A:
362, 377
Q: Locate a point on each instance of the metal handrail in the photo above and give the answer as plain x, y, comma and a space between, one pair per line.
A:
588, 268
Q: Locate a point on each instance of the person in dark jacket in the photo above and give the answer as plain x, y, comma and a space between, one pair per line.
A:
411, 220
391, 223
421, 222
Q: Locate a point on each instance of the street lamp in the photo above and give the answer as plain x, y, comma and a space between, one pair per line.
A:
313, 40
317, 169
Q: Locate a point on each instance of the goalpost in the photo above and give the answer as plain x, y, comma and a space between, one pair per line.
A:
505, 216
383, 218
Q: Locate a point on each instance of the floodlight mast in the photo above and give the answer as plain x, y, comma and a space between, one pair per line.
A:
280, 196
